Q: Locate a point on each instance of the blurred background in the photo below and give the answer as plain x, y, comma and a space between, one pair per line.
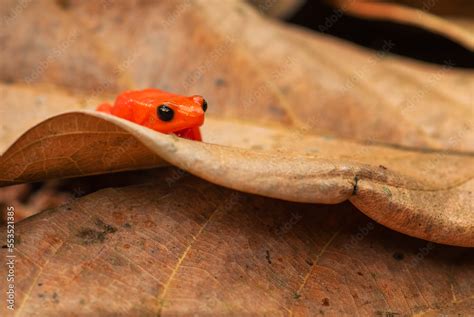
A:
412, 41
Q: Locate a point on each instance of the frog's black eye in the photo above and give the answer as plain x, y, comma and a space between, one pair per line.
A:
204, 105
165, 113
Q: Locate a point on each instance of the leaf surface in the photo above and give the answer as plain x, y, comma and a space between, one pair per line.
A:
421, 194
296, 120
175, 249
304, 80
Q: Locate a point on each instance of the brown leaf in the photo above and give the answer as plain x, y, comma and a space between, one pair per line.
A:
24, 106
196, 248
302, 79
293, 115
422, 186
453, 19
427, 195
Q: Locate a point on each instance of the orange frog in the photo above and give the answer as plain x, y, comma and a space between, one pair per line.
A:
161, 111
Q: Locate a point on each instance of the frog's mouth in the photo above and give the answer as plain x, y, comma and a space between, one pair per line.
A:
189, 133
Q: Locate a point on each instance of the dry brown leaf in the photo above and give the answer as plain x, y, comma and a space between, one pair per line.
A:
453, 18
247, 62
196, 248
427, 195
432, 187
23, 106
175, 246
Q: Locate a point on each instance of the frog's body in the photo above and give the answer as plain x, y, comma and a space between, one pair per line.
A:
161, 111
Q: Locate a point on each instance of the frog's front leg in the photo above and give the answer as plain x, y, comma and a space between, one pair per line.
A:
190, 133
196, 134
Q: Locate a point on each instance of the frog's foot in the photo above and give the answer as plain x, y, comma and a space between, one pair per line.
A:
105, 107
190, 133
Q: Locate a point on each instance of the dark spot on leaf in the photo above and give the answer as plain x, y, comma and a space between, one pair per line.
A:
90, 236
55, 298
40, 284
106, 227
360, 273
219, 82
398, 256
63, 4
4, 246
296, 295
276, 110
309, 262
382, 167
127, 225
325, 301
267, 256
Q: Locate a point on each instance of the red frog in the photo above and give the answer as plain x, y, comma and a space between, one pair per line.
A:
161, 111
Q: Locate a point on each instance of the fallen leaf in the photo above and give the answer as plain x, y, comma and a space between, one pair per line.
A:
196, 248
427, 195
293, 116
302, 79
24, 106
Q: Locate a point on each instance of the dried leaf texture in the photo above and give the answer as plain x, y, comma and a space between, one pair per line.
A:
175, 250
427, 195
295, 120
251, 67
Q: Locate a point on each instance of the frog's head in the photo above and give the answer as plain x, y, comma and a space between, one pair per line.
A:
180, 113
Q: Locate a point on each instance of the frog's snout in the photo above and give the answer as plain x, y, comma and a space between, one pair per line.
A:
201, 102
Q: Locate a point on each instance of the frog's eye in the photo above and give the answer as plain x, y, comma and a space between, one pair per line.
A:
165, 113
204, 105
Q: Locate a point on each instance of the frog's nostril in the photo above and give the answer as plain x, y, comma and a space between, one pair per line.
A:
204, 105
